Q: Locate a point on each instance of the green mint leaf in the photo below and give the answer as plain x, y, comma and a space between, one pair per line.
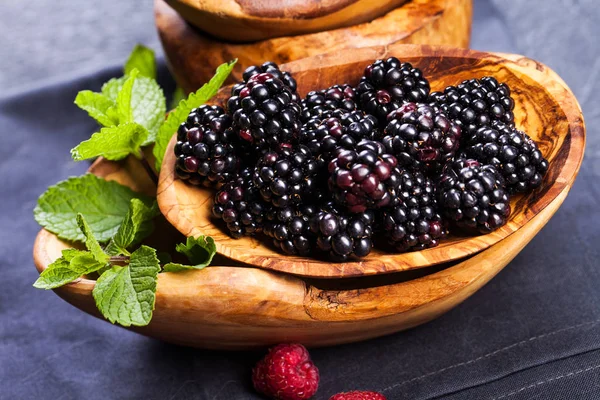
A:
142, 59
136, 226
199, 251
127, 294
97, 106
90, 241
104, 204
112, 143
124, 107
194, 100
147, 100
178, 95
72, 265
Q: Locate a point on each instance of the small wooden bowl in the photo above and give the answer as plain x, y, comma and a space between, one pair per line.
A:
236, 307
194, 55
545, 108
251, 20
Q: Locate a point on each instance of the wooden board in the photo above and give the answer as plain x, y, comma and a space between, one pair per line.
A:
193, 55
545, 108
234, 307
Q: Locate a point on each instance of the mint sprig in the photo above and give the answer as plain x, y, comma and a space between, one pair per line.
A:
199, 251
179, 114
142, 59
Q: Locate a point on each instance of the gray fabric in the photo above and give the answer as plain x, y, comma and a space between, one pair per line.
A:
532, 332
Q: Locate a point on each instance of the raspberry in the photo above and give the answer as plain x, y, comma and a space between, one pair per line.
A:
358, 395
286, 373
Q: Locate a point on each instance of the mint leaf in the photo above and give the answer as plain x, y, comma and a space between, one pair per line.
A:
127, 294
142, 59
97, 106
147, 100
123, 103
199, 251
90, 241
112, 143
135, 227
194, 100
67, 268
104, 204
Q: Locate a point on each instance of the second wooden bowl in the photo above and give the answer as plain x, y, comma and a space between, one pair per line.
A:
545, 108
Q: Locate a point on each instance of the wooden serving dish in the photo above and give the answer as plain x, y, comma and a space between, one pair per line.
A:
236, 307
545, 108
194, 55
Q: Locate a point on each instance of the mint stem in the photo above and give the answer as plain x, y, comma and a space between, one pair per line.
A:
119, 260
148, 168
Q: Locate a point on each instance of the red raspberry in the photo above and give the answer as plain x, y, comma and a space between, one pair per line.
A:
286, 373
357, 395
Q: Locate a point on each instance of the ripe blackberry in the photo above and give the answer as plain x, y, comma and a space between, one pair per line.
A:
323, 137
270, 68
290, 229
205, 147
363, 178
386, 84
414, 223
286, 177
321, 103
265, 111
475, 103
239, 204
473, 195
342, 235
512, 152
421, 137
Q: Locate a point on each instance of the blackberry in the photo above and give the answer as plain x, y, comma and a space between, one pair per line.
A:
265, 111
386, 84
239, 204
321, 103
473, 195
363, 178
341, 235
290, 229
421, 137
475, 103
286, 177
345, 131
273, 69
414, 223
512, 152
205, 147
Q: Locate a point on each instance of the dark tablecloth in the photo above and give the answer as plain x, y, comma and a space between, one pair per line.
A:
532, 332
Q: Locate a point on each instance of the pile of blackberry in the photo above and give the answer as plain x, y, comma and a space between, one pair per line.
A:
330, 174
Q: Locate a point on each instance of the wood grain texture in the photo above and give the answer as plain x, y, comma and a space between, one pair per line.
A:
252, 20
193, 56
545, 108
235, 307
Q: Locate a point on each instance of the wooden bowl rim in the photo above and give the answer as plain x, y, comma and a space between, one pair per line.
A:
389, 262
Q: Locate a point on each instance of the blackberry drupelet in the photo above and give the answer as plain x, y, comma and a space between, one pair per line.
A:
345, 131
341, 235
239, 204
475, 103
414, 223
270, 68
265, 111
473, 195
512, 152
364, 178
321, 103
421, 137
290, 229
205, 147
387, 84
286, 177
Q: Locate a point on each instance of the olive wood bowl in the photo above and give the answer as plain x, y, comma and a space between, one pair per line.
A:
235, 307
545, 108
194, 55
